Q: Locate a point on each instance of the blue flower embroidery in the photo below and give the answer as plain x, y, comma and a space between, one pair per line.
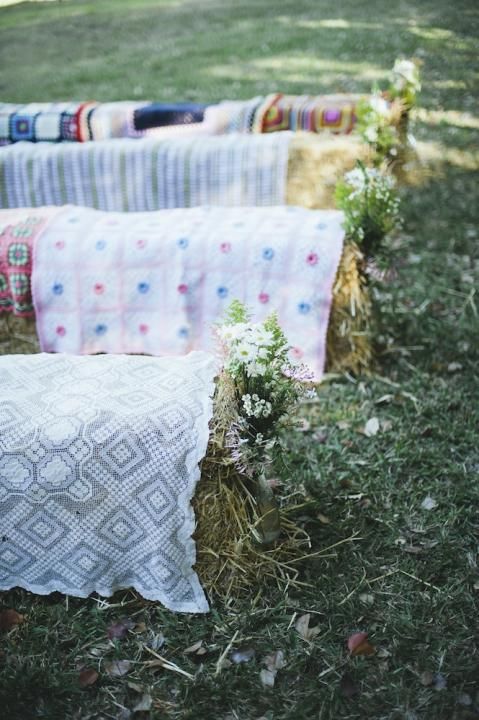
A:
143, 287
101, 329
58, 289
183, 332
304, 308
268, 253
182, 243
321, 226
100, 245
222, 292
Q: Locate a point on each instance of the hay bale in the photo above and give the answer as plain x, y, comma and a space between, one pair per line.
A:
230, 558
349, 341
315, 165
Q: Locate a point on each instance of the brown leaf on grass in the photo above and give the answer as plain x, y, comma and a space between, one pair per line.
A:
143, 704
118, 668
197, 652
119, 629
274, 662
87, 677
323, 519
302, 628
358, 644
347, 686
242, 655
10, 618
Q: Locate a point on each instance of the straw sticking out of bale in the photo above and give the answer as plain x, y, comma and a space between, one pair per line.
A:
349, 342
17, 335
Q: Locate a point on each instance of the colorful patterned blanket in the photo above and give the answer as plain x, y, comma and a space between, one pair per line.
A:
98, 464
18, 231
147, 174
157, 282
333, 113
80, 122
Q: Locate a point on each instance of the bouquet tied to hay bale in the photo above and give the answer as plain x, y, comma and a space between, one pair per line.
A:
243, 536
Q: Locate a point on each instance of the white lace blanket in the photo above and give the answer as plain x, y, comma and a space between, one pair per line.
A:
98, 464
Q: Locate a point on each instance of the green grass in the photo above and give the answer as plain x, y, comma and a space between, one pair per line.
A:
410, 576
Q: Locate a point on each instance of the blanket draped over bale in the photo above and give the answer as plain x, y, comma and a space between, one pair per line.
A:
147, 174
98, 465
207, 254
87, 121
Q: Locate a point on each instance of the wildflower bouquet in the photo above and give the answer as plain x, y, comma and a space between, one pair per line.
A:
370, 203
378, 125
405, 82
267, 387
383, 123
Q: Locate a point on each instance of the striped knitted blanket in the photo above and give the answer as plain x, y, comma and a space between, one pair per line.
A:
157, 283
147, 174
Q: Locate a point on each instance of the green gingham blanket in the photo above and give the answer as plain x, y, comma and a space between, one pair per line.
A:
147, 174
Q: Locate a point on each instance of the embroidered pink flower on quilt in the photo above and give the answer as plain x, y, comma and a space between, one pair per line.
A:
263, 298
297, 353
60, 244
141, 243
99, 288
182, 289
225, 247
312, 259
60, 331
143, 328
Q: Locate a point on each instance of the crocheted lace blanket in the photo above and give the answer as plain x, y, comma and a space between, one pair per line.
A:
98, 464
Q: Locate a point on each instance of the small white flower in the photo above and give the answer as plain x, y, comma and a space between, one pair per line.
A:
379, 105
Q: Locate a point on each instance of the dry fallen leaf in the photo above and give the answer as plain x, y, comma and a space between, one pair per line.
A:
117, 668
303, 629
10, 618
343, 425
366, 598
119, 629
274, 662
87, 677
193, 648
372, 427
429, 503
347, 686
144, 703
323, 519
242, 655
476, 585
358, 644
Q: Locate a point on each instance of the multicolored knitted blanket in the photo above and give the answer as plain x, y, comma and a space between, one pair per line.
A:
147, 174
18, 231
333, 113
80, 122
157, 283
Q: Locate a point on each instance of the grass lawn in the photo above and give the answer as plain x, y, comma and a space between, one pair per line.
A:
409, 576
